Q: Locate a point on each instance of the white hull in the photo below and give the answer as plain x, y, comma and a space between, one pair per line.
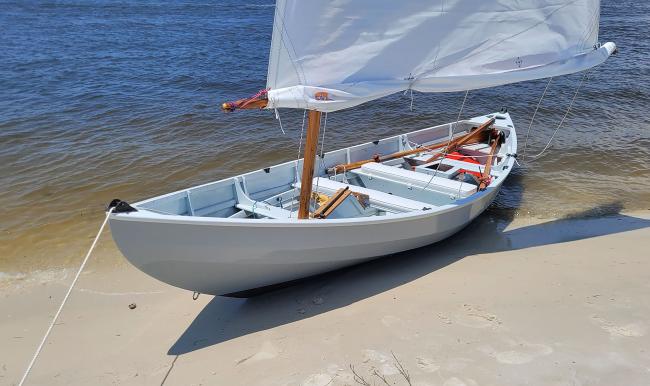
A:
227, 255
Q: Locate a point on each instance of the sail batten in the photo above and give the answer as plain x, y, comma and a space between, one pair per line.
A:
360, 50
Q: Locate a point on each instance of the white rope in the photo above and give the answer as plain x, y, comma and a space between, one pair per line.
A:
410, 90
575, 95
302, 132
65, 299
533, 118
277, 116
451, 135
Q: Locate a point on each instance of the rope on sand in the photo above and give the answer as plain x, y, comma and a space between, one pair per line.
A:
65, 299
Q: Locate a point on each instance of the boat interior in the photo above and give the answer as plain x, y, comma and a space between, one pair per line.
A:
422, 170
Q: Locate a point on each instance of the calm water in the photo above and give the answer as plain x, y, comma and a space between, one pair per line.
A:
105, 99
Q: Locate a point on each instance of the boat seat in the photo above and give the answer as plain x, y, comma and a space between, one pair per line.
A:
377, 199
456, 165
411, 178
257, 207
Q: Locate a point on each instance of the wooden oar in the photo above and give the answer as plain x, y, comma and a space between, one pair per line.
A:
379, 158
485, 177
469, 138
464, 140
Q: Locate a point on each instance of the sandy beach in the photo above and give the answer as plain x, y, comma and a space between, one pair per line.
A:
130, 100
534, 302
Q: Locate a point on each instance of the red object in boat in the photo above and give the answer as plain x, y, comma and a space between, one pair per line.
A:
461, 157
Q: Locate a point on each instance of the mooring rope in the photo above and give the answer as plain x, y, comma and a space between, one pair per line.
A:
568, 110
65, 299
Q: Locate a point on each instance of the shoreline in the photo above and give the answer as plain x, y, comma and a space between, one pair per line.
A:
54, 261
502, 302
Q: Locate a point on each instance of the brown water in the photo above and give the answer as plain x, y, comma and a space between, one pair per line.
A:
102, 100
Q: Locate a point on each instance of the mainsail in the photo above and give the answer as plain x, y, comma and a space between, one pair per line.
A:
356, 51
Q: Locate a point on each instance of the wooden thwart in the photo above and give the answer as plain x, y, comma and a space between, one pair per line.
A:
332, 203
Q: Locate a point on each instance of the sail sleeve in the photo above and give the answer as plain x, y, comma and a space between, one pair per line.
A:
335, 54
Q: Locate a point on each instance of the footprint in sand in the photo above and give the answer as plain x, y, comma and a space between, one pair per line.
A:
333, 375
453, 381
267, 351
630, 330
456, 365
475, 317
390, 320
427, 365
521, 352
374, 356
383, 362
318, 380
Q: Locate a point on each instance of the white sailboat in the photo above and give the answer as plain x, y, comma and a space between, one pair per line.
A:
322, 212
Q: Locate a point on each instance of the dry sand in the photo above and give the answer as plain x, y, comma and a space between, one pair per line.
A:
562, 302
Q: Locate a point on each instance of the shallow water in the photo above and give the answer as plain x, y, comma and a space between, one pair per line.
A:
103, 99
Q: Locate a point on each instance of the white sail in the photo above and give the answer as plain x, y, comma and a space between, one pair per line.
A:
360, 50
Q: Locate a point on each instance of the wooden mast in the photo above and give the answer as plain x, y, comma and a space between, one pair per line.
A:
313, 128
260, 101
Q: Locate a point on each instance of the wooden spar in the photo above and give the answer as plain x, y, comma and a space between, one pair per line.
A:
485, 176
313, 127
260, 101
257, 101
467, 139
358, 164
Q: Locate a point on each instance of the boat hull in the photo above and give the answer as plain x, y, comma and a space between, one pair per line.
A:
194, 239
222, 257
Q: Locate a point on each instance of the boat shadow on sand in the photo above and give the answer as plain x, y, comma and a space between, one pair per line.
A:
224, 319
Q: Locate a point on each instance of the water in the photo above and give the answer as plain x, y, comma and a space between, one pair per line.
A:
102, 99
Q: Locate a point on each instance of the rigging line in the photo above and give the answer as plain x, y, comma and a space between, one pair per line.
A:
277, 116
568, 110
411, 80
451, 135
284, 37
593, 27
533, 118
322, 154
65, 299
302, 132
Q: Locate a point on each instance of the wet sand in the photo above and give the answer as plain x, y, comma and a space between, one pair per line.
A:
536, 302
